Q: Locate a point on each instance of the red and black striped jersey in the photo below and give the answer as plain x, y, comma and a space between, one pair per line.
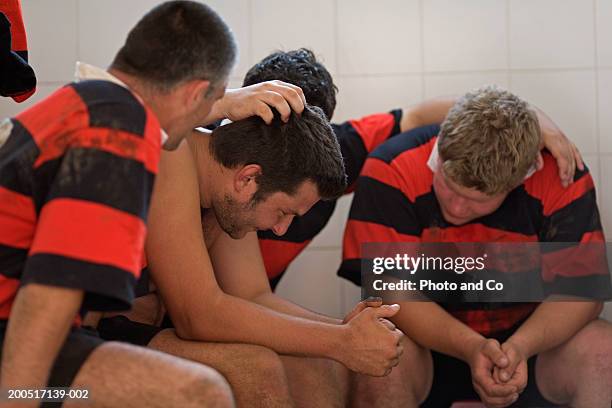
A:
18, 72
357, 138
394, 202
76, 177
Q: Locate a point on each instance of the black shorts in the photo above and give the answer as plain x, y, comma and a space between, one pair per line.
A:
452, 382
79, 344
120, 328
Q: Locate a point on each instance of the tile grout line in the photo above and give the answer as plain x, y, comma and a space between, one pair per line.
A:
596, 61
78, 30
508, 52
421, 6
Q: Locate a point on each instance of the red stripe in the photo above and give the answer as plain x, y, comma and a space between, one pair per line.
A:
412, 164
55, 117
90, 232
586, 259
277, 255
117, 142
408, 172
545, 185
374, 129
360, 232
8, 289
17, 219
61, 121
12, 10
473, 233
487, 322
381, 171
24, 95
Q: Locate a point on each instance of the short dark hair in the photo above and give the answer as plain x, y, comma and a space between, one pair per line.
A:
302, 149
178, 41
301, 68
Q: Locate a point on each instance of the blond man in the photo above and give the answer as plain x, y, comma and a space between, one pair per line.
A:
473, 180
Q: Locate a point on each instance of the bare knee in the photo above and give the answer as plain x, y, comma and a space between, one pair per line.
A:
409, 382
205, 387
594, 344
261, 361
416, 369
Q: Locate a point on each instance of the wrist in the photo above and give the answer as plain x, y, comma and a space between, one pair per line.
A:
340, 337
521, 344
469, 346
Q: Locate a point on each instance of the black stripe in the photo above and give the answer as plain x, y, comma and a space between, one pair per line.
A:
106, 287
112, 106
350, 269
397, 119
97, 176
276, 280
17, 157
142, 285
352, 148
379, 203
519, 213
12, 261
306, 227
404, 142
23, 54
589, 287
570, 223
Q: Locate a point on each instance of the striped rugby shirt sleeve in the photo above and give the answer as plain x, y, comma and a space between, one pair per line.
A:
98, 182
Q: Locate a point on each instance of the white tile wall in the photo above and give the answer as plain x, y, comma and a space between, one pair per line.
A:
373, 40
569, 99
605, 110
289, 24
385, 54
236, 14
95, 17
464, 35
551, 34
458, 83
51, 27
603, 10
359, 96
310, 281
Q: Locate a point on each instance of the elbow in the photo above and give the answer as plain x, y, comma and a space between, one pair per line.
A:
198, 323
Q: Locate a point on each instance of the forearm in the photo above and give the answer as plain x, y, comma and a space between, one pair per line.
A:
216, 114
274, 302
39, 322
231, 319
553, 323
429, 112
434, 328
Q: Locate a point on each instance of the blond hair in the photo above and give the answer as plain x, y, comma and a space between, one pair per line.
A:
489, 140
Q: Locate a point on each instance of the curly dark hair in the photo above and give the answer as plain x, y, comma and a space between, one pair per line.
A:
304, 148
301, 68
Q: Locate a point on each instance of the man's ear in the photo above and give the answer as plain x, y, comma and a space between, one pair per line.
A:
245, 179
194, 91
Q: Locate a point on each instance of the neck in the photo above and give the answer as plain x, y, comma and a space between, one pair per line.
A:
210, 172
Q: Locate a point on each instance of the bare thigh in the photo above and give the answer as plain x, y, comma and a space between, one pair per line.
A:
123, 375
579, 370
317, 382
255, 373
